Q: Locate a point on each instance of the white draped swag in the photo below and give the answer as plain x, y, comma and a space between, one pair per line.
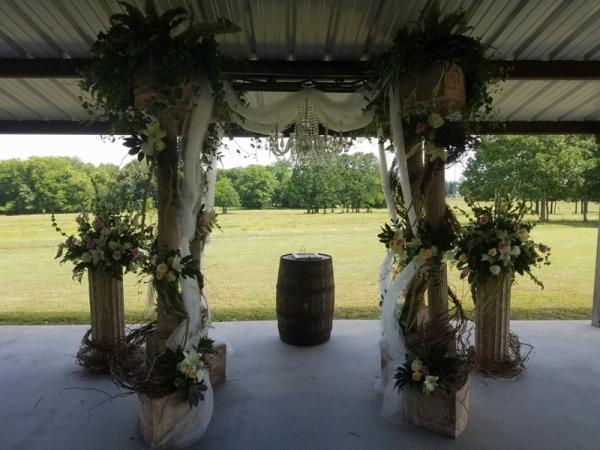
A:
342, 116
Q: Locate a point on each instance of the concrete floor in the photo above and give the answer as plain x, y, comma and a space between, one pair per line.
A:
285, 398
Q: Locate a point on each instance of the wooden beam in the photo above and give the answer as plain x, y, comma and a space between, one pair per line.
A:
52, 127
312, 69
537, 127
483, 128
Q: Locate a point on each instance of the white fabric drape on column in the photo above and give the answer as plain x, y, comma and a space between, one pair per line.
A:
392, 288
190, 426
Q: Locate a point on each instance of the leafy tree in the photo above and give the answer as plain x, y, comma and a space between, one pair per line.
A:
225, 195
256, 186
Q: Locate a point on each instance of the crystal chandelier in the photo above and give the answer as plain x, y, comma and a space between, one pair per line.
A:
305, 142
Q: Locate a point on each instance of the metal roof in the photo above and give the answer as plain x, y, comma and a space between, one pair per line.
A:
315, 29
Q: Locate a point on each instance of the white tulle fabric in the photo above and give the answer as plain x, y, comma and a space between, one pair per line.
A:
393, 288
197, 189
344, 115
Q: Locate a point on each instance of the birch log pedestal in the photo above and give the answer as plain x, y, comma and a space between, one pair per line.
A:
107, 320
492, 317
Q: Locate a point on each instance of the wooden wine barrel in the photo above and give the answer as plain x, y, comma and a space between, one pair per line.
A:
305, 298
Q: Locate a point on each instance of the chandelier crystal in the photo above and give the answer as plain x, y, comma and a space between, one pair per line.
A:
305, 142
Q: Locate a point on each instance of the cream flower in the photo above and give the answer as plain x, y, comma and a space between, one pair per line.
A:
463, 258
435, 120
191, 365
154, 138
495, 269
176, 264
416, 365
492, 252
430, 383
161, 271
515, 251
522, 234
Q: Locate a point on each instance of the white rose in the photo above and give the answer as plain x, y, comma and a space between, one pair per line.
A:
430, 383
515, 251
495, 269
176, 264
416, 365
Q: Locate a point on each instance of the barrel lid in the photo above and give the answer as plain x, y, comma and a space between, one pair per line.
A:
306, 256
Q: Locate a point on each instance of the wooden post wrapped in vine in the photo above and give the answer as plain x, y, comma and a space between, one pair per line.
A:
434, 78
158, 76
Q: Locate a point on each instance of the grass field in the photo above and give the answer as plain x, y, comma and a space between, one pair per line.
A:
241, 267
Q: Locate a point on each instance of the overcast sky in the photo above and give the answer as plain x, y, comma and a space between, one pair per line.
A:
95, 150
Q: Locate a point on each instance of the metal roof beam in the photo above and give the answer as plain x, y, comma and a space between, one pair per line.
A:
315, 70
484, 128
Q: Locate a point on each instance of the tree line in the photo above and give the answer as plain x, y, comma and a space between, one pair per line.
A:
61, 185
348, 181
542, 169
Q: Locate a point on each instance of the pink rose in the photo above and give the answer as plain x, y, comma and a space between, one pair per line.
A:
421, 126
135, 252
544, 248
465, 271
116, 255
484, 219
503, 246
202, 220
425, 370
90, 244
98, 224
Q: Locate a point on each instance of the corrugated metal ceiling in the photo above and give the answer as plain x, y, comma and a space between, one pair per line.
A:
316, 29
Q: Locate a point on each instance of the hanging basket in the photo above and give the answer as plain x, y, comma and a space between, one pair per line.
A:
444, 413
492, 336
441, 88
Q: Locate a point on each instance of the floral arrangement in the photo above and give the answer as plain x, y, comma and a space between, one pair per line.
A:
165, 53
167, 269
497, 242
426, 249
206, 222
185, 370
428, 372
108, 240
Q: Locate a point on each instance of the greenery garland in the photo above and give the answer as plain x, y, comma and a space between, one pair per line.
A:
433, 40
168, 47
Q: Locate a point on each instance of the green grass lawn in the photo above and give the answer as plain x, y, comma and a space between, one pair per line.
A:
241, 267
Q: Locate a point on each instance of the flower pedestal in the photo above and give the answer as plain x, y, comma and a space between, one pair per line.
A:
492, 309
443, 413
107, 320
170, 421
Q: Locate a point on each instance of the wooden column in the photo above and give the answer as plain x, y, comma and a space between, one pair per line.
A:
435, 207
106, 308
168, 224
